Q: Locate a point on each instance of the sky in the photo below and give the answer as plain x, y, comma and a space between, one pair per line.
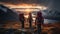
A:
51, 4
24, 1
41, 2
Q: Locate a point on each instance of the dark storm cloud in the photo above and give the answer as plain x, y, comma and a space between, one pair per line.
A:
43, 2
10, 1
56, 5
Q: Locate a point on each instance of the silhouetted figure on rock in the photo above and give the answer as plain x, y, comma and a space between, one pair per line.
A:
39, 21
30, 19
22, 19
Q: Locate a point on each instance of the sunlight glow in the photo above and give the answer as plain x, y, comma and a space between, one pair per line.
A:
28, 7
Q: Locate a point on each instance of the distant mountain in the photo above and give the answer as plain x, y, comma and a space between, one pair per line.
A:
52, 14
7, 14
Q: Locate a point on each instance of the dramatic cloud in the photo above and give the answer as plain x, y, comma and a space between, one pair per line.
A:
43, 2
50, 3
